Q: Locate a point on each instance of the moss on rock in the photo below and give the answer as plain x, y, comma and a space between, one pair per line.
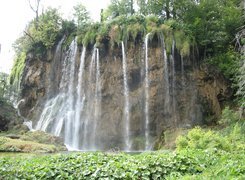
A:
18, 145
9, 118
36, 141
44, 138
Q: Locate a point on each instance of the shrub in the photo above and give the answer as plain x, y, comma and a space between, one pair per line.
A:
227, 63
198, 138
228, 116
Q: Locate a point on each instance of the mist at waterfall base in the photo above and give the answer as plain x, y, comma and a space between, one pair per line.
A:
74, 110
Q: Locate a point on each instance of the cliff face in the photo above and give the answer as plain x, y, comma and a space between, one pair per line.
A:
179, 95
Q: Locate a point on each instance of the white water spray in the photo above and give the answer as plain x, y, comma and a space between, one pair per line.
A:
166, 80
90, 111
97, 102
126, 102
146, 110
79, 103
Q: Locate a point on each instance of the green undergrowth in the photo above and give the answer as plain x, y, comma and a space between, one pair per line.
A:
201, 153
229, 136
149, 165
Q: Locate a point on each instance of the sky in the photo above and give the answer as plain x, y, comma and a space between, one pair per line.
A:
15, 14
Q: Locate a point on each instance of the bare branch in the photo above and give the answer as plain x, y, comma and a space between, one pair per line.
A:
26, 33
32, 8
35, 10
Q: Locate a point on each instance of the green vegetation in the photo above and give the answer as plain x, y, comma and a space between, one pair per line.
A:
18, 67
152, 165
16, 145
36, 141
43, 138
3, 84
227, 63
200, 154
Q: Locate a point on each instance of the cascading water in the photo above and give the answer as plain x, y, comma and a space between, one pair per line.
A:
126, 113
26, 122
172, 56
89, 114
59, 111
80, 101
97, 102
166, 80
146, 109
51, 108
52, 84
69, 121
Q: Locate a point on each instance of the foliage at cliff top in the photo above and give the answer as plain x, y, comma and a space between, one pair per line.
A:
134, 28
210, 24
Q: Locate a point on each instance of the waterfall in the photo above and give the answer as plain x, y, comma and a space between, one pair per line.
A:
79, 103
59, 110
166, 80
174, 112
126, 114
97, 102
72, 107
146, 110
26, 122
69, 136
53, 78
17, 106
90, 111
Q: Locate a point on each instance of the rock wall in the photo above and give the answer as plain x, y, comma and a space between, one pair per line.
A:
194, 93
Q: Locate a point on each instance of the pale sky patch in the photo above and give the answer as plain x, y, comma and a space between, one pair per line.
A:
15, 14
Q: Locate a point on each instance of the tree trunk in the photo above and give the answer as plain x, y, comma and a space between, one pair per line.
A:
167, 10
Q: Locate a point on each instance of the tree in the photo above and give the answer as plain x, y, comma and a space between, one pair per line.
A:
118, 8
212, 23
49, 26
81, 16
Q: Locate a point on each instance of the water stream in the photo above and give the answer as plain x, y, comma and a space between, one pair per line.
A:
80, 100
97, 111
146, 109
126, 102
